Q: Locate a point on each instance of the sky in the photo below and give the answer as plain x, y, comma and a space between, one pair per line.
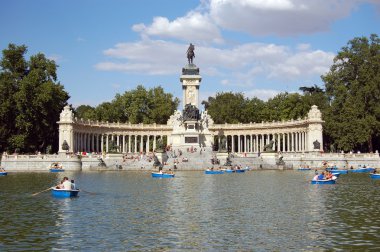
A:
257, 47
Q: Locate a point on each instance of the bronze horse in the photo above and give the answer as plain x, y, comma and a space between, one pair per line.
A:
190, 53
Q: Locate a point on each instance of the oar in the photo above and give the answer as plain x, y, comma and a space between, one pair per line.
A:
87, 192
34, 194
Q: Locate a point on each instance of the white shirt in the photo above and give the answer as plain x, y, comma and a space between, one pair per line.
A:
66, 185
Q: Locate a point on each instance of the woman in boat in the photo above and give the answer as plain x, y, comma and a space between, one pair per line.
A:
321, 176
328, 175
316, 176
2, 169
66, 184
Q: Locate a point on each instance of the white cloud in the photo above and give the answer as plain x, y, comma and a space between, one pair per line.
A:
262, 94
194, 27
241, 65
55, 57
279, 17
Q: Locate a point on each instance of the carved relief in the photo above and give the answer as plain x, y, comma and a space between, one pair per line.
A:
190, 95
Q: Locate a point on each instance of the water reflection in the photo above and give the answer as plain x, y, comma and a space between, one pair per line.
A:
259, 210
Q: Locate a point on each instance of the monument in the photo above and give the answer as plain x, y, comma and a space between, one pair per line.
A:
190, 128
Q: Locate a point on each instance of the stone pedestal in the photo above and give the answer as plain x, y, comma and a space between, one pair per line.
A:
160, 156
222, 156
269, 159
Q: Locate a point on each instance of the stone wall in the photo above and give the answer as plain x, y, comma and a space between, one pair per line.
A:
196, 161
39, 162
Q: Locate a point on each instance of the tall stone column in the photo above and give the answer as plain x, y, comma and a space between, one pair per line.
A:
233, 143
66, 129
135, 150
107, 136
154, 142
102, 144
315, 129
129, 143
147, 143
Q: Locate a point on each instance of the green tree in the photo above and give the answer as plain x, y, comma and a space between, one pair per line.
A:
31, 101
353, 89
85, 112
286, 106
227, 107
135, 106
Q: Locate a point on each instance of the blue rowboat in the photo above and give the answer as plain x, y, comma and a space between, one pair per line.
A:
62, 193
304, 169
332, 168
162, 175
56, 170
239, 170
336, 174
214, 172
3, 173
229, 171
361, 170
339, 171
324, 181
375, 176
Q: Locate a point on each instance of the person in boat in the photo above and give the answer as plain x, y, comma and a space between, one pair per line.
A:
374, 171
321, 176
73, 186
170, 171
328, 175
2, 169
316, 176
66, 184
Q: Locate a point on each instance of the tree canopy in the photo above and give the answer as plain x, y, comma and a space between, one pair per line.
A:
31, 100
353, 90
135, 106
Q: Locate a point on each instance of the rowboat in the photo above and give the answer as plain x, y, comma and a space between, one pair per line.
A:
324, 181
214, 172
3, 173
239, 170
63, 193
56, 170
361, 170
375, 176
336, 174
304, 169
229, 171
162, 175
56, 167
339, 171
332, 168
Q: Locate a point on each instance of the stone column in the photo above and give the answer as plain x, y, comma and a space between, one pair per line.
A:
239, 143
102, 143
233, 143
135, 149
141, 143
154, 142
129, 143
147, 143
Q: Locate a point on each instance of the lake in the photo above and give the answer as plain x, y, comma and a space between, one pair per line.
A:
130, 211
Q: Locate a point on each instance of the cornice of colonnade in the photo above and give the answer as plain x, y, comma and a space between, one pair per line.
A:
81, 125
298, 124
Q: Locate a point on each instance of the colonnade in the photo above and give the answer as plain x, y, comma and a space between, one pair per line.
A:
122, 143
254, 143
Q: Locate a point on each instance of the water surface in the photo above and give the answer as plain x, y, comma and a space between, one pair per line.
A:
258, 210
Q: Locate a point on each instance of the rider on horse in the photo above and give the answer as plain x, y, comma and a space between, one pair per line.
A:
190, 53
